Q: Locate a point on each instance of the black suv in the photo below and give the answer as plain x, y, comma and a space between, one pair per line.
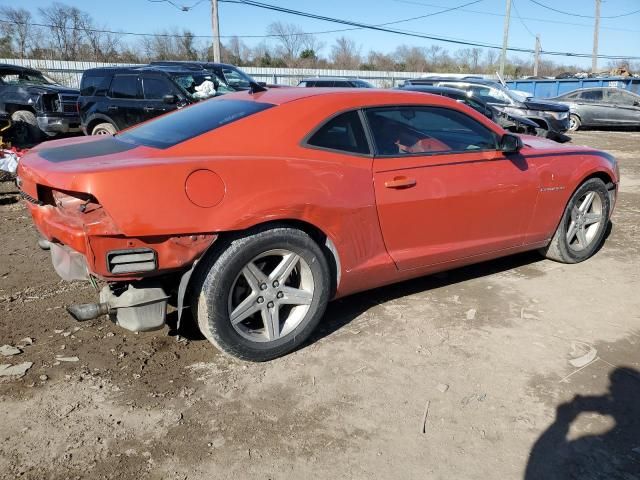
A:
38, 106
229, 77
114, 98
551, 117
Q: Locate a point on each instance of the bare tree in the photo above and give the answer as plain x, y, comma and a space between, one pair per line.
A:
412, 58
291, 40
345, 53
19, 31
65, 28
236, 52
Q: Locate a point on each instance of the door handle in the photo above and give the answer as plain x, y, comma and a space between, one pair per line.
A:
400, 182
149, 109
112, 108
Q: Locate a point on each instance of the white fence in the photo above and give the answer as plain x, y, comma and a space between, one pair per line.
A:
70, 73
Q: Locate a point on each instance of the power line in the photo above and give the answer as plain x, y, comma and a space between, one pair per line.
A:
182, 8
515, 8
533, 19
416, 35
329, 19
581, 16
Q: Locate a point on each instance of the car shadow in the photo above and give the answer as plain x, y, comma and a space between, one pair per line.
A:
612, 455
343, 311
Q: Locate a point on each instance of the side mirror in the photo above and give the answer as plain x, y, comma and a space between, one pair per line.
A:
262, 84
510, 143
170, 99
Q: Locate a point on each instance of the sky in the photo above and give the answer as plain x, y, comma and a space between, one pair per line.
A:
481, 21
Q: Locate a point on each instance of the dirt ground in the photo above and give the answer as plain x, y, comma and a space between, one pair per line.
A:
464, 375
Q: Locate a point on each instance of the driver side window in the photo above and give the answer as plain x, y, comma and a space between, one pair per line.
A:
407, 130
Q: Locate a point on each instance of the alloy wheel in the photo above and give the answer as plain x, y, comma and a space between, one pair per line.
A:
585, 221
271, 295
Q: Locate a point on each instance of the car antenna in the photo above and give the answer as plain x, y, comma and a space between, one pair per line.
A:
255, 87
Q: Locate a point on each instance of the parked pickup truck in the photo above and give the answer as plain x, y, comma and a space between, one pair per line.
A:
38, 106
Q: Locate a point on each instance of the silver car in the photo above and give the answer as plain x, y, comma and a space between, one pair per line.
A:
601, 107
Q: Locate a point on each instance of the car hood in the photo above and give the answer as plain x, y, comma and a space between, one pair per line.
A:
541, 143
535, 104
44, 89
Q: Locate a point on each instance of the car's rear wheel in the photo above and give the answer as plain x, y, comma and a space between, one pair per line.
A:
25, 128
104, 129
574, 123
263, 295
583, 226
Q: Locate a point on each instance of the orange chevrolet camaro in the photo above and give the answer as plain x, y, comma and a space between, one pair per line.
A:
257, 208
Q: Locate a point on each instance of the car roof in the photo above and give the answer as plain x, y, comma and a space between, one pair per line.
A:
433, 89
341, 79
17, 68
280, 96
146, 68
190, 63
591, 89
467, 79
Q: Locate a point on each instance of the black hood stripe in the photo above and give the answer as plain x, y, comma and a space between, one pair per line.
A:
96, 148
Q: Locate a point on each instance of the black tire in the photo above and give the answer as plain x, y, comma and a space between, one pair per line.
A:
560, 249
574, 123
219, 272
25, 128
104, 128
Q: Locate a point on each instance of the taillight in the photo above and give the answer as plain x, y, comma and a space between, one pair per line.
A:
68, 201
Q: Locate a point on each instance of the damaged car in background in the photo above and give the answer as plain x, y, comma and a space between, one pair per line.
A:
510, 122
38, 106
552, 118
601, 107
257, 208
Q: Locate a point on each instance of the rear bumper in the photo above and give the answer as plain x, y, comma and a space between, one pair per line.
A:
82, 248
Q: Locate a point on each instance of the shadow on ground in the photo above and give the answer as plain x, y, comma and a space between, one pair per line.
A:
612, 455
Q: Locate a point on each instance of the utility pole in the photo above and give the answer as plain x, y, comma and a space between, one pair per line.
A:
536, 62
215, 28
505, 38
596, 29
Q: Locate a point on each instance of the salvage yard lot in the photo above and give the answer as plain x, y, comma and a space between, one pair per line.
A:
451, 376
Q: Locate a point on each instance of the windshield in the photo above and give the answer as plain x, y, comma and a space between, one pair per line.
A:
168, 130
190, 82
236, 79
24, 78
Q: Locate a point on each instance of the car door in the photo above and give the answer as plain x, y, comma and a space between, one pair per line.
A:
124, 100
444, 190
626, 106
593, 108
154, 88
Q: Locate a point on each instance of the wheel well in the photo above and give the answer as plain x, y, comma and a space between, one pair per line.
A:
96, 121
322, 239
12, 108
608, 181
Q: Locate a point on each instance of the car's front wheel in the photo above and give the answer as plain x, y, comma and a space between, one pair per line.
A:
574, 123
263, 295
25, 128
104, 128
583, 226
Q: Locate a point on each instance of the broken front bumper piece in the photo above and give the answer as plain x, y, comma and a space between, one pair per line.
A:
138, 308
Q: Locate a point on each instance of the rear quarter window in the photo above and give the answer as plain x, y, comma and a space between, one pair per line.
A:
90, 84
181, 125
